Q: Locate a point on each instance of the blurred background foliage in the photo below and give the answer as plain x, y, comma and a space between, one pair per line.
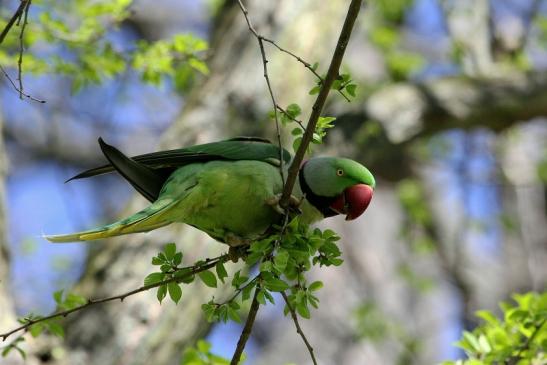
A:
449, 114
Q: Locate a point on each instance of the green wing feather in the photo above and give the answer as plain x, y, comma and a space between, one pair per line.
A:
241, 148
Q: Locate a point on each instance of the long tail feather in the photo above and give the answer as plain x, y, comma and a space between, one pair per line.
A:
146, 220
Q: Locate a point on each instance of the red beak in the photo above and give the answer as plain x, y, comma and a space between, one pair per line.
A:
353, 201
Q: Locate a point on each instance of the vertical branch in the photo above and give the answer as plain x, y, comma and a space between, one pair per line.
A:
20, 14
298, 329
17, 15
317, 108
261, 40
21, 47
247, 329
332, 74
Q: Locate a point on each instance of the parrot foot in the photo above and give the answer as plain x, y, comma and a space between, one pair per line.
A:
294, 204
237, 252
234, 240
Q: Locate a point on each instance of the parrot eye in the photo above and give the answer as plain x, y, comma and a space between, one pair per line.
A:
340, 172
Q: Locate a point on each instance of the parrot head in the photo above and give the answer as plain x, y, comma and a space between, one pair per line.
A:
337, 186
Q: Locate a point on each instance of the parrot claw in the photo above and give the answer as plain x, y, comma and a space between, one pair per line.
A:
237, 252
234, 240
294, 204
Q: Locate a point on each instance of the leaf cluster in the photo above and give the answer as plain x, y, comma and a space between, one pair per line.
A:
81, 41
290, 115
519, 337
201, 355
53, 325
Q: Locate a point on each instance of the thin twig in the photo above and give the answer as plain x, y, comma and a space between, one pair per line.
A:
21, 47
238, 291
20, 14
305, 63
283, 111
19, 90
261, 40
332, 74
209, 263
298, 329
14, 18
247, 329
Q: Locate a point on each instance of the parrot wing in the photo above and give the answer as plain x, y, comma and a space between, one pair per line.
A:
165, 162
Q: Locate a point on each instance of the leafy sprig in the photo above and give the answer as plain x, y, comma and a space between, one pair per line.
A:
519, 337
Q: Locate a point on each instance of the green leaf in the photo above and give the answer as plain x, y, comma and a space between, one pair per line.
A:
209, 311
21, 352
199, 65
162, 292
58, 296
36, 329
73, 300
177, 259
351, 89
275, 284
175, 292
315, 90
296, 131
471, 340
203, 346
234, 315
325, 122
265, 266
303, 310
316, 138
239, 280
170, 249
208, 278
294, 110
157, 261
260, 297
296, 143
153, 278
55, 329
269, 297
281, 259
246, 292
221, 271
316, 285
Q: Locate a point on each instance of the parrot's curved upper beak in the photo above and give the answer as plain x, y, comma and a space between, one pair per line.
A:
353, 201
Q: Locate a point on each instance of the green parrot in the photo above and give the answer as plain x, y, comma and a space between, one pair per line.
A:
229, 189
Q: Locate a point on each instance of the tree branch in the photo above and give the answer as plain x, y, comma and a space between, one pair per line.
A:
332, 74
247, 329
298, 329
18, 89
261, 40
209, 263
23, 5
23, 25
408, 111
20, 14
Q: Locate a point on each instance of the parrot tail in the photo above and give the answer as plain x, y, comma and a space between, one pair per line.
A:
146, 220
